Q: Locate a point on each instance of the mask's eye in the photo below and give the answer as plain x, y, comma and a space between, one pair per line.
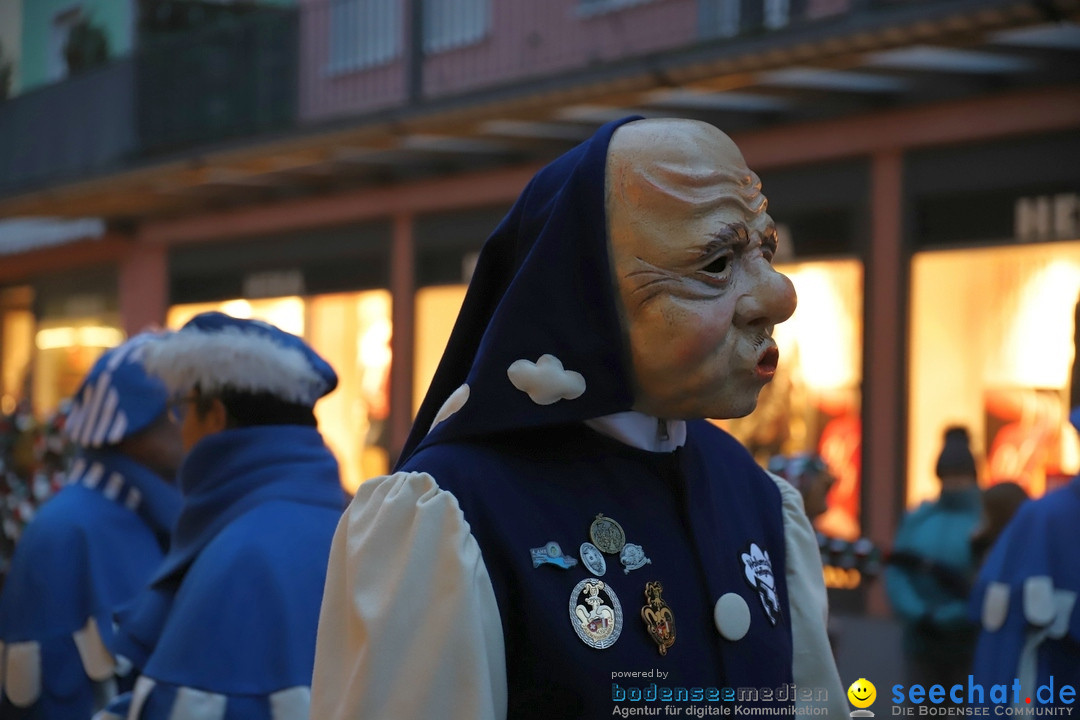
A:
768, 244
718, 265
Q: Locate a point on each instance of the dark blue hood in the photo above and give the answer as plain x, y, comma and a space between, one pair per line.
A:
543, 285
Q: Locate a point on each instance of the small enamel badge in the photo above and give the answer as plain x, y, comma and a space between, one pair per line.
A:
633, 557
607, 535
759, 574
658, 618
551, 554
593, 559
596, 614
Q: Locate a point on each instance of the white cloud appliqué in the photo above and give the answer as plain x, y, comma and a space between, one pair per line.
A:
546, 381
455, 402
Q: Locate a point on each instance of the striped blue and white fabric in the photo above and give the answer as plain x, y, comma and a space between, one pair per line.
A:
89, 550
117, 398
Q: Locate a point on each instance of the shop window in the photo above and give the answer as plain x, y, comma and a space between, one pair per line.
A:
66, 349
364, 34
16, 347
352, 331
450, 24
813, 403
437, 309
991, 348
286, 313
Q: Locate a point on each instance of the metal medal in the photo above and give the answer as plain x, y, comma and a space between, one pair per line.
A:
551, 554
593, 559
659, 620
607, 535
633, 557
596, 613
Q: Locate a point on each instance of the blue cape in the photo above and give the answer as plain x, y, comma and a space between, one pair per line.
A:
85, 553
1039, 541
234, 606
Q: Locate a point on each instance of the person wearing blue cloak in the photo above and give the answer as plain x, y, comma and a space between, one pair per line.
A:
564, 535
93, 546
226, 630
1025, 597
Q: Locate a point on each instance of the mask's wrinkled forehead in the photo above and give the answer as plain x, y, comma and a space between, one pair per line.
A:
680, 167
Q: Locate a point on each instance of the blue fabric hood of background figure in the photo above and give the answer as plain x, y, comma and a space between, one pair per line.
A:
90, 549
542, 281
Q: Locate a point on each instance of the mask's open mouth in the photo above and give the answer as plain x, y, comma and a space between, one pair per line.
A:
766, 365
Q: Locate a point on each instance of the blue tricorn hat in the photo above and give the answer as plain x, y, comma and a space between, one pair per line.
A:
117, 398
215, 352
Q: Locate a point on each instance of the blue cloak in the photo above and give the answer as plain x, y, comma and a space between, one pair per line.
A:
1026, 598
91, 548
229, 622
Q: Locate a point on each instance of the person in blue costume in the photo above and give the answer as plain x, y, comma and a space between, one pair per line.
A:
564, 536
1025, 600
931, 568
1025, 597
93, 546
226, 630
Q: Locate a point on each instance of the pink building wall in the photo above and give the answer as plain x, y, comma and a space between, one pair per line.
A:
526, 38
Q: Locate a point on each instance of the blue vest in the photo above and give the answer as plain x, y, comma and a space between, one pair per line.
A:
520, 491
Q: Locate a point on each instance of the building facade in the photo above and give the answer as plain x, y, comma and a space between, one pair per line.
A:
334, 166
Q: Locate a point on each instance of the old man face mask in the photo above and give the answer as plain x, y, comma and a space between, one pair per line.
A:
691, 249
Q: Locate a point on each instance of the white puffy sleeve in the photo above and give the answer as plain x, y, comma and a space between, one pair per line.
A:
409, 626
814, 665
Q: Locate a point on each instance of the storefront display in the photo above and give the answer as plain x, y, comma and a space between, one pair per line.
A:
991, 348
813, 403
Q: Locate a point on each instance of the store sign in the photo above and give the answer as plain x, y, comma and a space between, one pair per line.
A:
1047, 217
274, 284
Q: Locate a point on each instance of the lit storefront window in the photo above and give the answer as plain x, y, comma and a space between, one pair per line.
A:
437, 309
65, 351
813, 403
16, 344
992, 349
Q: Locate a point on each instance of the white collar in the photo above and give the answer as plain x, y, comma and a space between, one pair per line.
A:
642, 431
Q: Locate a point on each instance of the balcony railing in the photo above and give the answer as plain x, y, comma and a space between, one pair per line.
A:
235, 78
82, 126
274, 69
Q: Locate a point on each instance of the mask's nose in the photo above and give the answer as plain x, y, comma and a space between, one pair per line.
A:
770, 300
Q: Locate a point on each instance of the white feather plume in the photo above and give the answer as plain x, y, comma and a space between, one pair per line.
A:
233, 358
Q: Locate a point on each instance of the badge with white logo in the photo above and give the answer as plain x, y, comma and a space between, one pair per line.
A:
759, 574
593, 559
596, 614
633, 557
551, 554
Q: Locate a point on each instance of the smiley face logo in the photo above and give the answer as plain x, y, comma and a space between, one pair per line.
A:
862, 693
